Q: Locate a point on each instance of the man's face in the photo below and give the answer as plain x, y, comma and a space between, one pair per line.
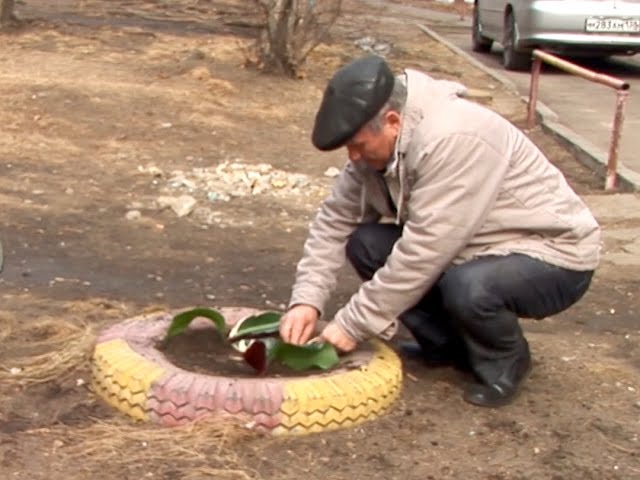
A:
374, 146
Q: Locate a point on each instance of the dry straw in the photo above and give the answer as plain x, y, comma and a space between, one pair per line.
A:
50, 349
198, 450
42, 351
5, 326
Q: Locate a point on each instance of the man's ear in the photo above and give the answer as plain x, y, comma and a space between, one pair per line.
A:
393, 120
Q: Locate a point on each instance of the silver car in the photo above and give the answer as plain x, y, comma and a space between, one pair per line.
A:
583, 27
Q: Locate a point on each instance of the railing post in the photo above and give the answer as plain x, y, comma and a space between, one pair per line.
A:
622, 87
612, 162
536, 67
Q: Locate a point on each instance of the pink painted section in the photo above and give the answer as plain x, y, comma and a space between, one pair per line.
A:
266, 421
145, 329
181, 397
233, 398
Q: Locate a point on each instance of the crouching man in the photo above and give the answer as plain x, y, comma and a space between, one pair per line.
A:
486, 229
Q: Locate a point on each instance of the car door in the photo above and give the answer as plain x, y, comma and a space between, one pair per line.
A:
492, 17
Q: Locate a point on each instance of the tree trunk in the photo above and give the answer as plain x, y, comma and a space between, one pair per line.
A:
293, 28
6, 12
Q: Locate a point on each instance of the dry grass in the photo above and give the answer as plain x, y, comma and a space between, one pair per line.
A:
42, 351
48, 349
5, 326
198, 450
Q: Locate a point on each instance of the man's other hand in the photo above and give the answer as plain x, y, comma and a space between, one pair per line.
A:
335, 335
298, 324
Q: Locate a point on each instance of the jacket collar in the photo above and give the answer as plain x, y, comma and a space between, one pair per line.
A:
421, 86
411, 114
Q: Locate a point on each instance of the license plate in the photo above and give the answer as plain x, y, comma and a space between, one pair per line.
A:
616, 25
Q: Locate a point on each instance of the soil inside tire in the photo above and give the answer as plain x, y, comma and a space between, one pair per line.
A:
203, 351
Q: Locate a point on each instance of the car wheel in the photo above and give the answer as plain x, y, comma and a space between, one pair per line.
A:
513, 59
479, 43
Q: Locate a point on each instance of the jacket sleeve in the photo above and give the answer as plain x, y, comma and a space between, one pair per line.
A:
324, 249
457, 181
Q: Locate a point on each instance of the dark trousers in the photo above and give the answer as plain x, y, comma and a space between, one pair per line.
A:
474, 307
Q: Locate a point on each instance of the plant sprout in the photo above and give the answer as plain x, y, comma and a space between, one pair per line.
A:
257, 337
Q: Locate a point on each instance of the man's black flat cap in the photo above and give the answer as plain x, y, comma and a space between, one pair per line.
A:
354, 95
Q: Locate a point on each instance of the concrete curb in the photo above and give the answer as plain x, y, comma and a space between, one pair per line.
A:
585, 151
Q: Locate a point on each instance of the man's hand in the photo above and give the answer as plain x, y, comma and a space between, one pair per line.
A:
335, 335
298, 324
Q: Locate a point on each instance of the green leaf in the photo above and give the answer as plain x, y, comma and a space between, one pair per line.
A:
271, 343
257, 326
304, 357
181, 321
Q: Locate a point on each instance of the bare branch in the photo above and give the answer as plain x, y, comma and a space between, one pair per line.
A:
293, 28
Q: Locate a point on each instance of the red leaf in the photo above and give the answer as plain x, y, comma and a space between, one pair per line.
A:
256, 356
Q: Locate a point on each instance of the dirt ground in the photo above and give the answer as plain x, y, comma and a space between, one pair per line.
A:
109, 106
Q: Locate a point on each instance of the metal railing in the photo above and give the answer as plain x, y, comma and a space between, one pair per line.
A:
621, 87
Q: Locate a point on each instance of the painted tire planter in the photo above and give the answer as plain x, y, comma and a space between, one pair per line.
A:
132, 375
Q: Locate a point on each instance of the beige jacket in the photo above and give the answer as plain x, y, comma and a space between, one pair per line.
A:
466, 183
